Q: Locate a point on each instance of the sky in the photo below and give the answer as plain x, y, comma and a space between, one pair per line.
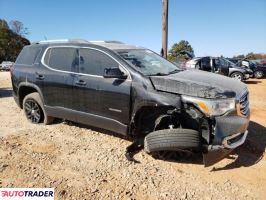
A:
212, 27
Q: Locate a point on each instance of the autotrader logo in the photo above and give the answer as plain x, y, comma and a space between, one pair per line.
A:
27, 193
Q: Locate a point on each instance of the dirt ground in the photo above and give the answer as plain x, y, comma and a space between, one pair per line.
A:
82, 163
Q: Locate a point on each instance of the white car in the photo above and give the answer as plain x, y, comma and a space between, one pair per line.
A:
5, 65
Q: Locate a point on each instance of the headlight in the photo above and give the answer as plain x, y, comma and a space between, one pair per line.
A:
211, 107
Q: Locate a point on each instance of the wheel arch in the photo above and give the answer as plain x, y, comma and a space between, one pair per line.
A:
25, 89
143, 121
236, 71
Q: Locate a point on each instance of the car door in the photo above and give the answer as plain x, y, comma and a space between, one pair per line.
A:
57, 78
216, 66
104, 97
205, 64
224, 67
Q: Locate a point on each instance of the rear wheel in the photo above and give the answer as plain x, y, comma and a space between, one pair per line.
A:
34, 110
237, 76
172, 140
258, 74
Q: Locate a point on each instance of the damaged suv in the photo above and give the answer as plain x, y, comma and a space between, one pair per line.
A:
132, 91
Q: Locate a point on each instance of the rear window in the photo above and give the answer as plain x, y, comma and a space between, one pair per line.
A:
28, 55
62, 58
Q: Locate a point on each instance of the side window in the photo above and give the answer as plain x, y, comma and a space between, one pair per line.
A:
62, 58
94, 62
28, 55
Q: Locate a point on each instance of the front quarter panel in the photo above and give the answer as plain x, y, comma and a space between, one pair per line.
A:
146, 99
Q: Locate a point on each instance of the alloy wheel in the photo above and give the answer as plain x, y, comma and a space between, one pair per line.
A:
237, 77
32, 111
258, 74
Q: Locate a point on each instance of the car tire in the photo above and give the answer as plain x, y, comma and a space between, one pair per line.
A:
237, 76
172, 140
258, 74
34, 109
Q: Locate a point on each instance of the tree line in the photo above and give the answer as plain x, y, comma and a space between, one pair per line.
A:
12, 39
251, 56
184, 45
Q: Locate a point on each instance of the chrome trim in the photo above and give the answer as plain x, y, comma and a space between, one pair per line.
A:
61, 41
71, 46
86, 113
115, 110
235, 144
51, 41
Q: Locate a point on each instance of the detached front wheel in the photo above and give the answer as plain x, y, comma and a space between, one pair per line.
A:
172, 140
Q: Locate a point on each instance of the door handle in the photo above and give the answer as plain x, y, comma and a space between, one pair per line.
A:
39, 76
80, 82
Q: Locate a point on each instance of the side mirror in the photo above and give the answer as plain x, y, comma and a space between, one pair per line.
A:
114, 73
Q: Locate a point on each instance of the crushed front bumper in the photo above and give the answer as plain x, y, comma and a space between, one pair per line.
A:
229, 133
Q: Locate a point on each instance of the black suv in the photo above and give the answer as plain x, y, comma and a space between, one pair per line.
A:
220, 65
132, 91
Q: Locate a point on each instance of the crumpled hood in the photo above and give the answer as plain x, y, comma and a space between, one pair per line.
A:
199, 84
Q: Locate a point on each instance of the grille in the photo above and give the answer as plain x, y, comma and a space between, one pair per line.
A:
244, 104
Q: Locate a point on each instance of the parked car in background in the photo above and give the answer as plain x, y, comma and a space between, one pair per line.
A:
6, 65
132, 91
221, 66
259, 70
261, 62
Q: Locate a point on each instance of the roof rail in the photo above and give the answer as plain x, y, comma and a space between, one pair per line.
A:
62, 41
107, 41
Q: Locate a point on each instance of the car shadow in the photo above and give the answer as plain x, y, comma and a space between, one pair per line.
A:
107, 132
252, 81
252, 151
5, 92
180, 157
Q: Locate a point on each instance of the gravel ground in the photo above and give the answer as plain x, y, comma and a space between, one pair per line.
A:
85, 163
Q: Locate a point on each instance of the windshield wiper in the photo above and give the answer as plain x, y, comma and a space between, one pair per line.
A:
158, 74
175, 71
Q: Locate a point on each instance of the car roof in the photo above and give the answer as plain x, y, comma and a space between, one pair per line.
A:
113, 45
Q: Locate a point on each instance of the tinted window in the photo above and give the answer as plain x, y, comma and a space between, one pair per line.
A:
62, 58
28, 55
94, 62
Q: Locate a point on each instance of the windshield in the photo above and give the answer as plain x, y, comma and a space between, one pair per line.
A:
148, 62
228, 62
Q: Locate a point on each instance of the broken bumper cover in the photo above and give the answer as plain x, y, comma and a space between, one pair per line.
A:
230, 132
233, 141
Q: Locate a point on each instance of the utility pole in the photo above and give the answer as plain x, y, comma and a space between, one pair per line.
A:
165, 29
